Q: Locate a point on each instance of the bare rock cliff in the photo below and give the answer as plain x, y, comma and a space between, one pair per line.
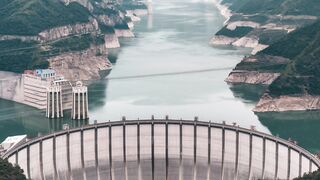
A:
111, 41
64, 31
91, 64
251, 77
287, 103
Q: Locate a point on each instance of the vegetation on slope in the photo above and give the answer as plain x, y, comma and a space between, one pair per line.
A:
17, 56
311, 176
294, 43
8, 171
238, 32
70, 44
274, 7
29, 17
264, 63
302, 75
259, 18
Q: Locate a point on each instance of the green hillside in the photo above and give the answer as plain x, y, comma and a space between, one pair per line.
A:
10, 172
294, 43
29, 17
238, 32
274, 7
311, 176
17, 56
302, 74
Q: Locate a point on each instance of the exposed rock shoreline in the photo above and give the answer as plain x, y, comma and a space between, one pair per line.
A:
288, 103
251, 77
273, 25
241, 75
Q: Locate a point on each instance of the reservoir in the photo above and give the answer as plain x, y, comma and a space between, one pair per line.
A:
169, 68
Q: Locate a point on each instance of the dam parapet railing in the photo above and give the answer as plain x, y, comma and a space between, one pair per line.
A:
161, 149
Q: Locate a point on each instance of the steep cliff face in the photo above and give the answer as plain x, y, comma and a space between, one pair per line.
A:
64, 31
259, 69
9, 85
126, 33
222, 40
111, 41
91, 64
251, 77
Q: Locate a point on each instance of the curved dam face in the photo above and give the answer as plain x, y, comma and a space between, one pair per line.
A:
161, 149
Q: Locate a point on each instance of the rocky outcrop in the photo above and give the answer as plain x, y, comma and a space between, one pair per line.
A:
111, 41
251, 77
91, 64
224, 9
287, 103
273, 26
10, 86
126, 33
138, 12
132, 16
105, 20
64, 31
130, 25
250, 42
259, 48
235, 24
223, 40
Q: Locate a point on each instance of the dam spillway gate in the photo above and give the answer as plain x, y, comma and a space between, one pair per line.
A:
161, 150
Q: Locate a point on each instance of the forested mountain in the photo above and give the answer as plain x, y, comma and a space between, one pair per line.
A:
263, 22
274, 7
30, 17
33, 30
302, 75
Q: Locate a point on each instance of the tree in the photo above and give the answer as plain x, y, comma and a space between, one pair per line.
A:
8, 171
311, 176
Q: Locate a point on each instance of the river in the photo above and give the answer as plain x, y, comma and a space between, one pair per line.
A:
170, 69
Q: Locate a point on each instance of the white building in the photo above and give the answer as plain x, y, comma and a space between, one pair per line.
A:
12, 142
36, 84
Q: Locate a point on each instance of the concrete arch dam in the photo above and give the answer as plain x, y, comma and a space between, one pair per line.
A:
159, 150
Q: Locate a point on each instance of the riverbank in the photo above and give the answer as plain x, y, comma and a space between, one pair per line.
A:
266, 65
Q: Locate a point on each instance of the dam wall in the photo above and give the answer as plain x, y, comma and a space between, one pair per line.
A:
161, 149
